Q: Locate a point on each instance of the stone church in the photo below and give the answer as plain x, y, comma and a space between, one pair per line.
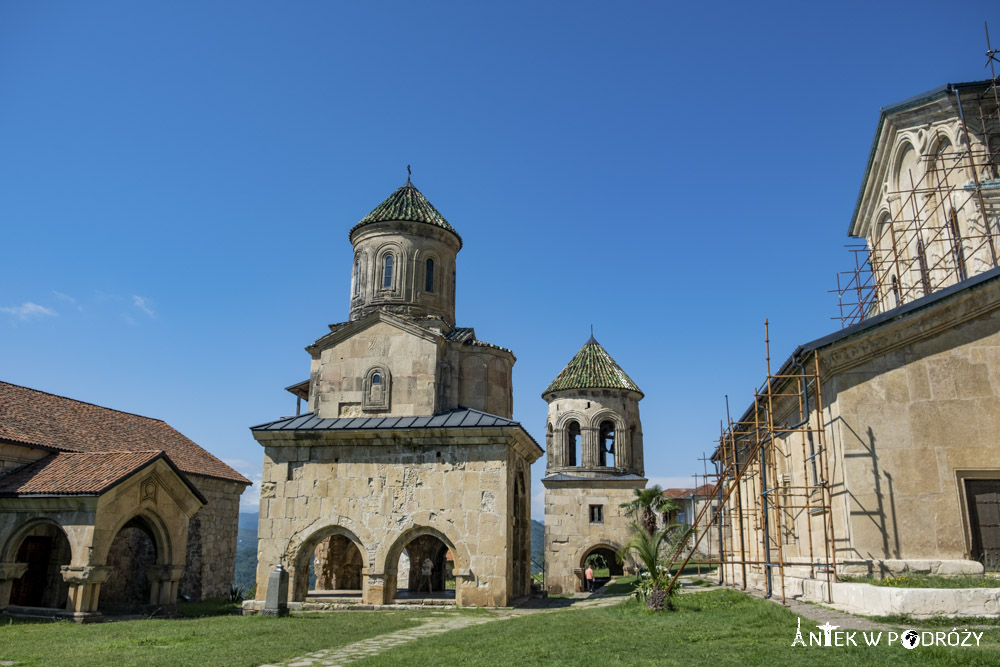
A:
107, 511
593, 440
408, 451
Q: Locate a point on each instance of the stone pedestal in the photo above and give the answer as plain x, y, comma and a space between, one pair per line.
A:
84, 586
276, 603
164, 580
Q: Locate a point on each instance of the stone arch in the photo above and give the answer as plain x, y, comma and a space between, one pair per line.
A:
606, 547
445, 399
168, 552
387, 557
301, 546
521, 531
135, 555
33, 559
905, 161
567, 454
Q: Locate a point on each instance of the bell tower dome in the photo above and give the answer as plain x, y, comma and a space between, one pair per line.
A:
593, 427
404, 260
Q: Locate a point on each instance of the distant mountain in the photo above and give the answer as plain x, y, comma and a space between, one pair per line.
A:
245, 575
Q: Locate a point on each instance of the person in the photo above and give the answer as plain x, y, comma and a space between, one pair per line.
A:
590, 578
426, 569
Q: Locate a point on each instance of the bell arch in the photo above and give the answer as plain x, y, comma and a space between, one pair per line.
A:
302, 546
387, 557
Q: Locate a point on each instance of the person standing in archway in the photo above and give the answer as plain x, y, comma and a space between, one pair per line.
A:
589, 574
426, 570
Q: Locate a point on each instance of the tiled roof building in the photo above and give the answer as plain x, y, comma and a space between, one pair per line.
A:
103, 510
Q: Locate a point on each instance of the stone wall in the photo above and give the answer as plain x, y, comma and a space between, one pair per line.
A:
570, 535
384, 489
212, 534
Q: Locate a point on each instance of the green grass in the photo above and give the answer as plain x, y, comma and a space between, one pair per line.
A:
926, 581
717, 627
217, 640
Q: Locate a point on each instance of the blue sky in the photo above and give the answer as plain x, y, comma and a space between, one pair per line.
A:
177, 180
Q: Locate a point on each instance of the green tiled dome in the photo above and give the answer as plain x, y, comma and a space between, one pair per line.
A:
406, 203
592, 368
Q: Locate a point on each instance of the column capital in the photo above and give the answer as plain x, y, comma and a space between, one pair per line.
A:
12, 570
85, 574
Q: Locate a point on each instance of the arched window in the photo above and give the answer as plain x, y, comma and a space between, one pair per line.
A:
429, 276
387, 272
606, 449
572, 444
375, 391
357, 276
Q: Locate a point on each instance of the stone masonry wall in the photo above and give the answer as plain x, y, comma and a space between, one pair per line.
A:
569, 534
212, 532
382, 490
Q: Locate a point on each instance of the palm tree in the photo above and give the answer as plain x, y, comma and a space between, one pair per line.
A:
647, 504
647, 547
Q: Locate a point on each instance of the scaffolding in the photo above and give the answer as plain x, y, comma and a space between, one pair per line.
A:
773, 500
943, 219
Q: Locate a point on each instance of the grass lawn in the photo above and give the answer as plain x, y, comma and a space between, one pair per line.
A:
717, 628
926, 581
216, 640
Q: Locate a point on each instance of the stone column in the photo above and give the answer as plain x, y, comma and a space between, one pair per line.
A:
84, 586
463, 578
378, 587
8, 573
590, 455
165, 580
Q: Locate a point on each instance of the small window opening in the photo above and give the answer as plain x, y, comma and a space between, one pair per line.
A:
925, 279
387, 272
376, 379
429, 278
895, 290
597, 514
357, 276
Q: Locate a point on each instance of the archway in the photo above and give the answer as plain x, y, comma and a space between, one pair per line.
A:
415, 548
605, 563
328, 562
132, 552
44, 548
337, 564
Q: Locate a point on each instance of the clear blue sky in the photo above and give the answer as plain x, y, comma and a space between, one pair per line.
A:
177, 180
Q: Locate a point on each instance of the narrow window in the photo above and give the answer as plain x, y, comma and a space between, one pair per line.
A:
607, 444
895, 291
597, 514
387, 272
572, 444
956, 239
357, 276
429, 277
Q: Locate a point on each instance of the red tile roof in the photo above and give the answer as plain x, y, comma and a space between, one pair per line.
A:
39, 419
71, 473
677, 493
706, 490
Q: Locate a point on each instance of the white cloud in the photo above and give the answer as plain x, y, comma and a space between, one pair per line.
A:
28, 310
145, 305
67, 298
250, 500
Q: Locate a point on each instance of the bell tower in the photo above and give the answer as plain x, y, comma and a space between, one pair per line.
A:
594, 460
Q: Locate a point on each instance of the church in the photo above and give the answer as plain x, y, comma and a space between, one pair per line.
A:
408, 452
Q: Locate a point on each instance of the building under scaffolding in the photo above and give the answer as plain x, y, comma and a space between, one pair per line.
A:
873, 451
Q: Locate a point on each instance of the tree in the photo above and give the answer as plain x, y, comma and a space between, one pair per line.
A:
646, 505
647, 548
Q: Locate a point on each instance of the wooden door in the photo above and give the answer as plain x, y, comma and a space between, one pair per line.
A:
984, 520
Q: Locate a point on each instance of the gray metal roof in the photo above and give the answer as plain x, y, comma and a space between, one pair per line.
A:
460, 418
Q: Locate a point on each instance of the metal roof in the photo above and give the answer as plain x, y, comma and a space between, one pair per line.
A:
460, 418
